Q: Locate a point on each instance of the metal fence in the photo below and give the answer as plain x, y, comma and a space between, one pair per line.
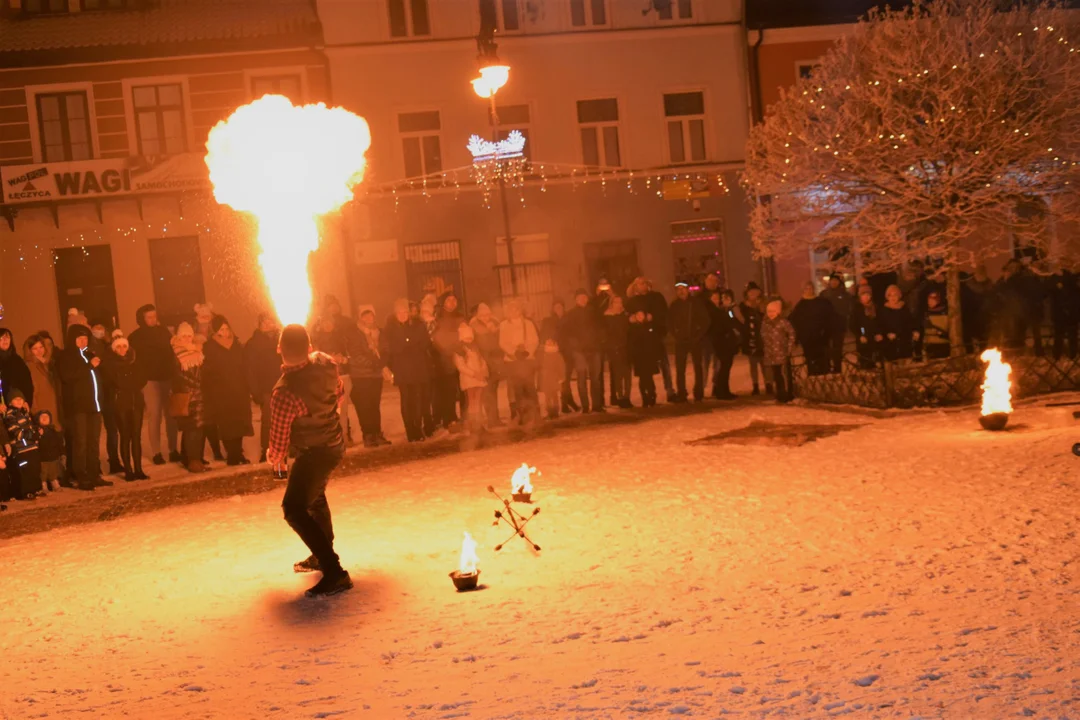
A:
934, 383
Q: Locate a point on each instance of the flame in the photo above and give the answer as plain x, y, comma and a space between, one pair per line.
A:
520, 480
287, 166
468, 562
997, 397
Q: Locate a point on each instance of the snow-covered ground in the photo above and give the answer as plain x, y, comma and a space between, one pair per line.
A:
913, 567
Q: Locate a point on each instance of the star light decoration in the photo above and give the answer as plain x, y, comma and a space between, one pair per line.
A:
498, 162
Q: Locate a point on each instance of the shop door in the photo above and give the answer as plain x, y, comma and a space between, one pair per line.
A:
84, 280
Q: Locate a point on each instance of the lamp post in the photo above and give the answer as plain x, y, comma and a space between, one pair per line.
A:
493, 76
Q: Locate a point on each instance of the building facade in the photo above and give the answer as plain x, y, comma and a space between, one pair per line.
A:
634, 115
105, 106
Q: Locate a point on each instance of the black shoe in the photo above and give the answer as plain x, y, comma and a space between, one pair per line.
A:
160, 460
756, 391
102, 482
369, 441
129, 476
381, 441
140, 475
173, 457
262, 457
310, 564
85, 486
115, 468
331, 585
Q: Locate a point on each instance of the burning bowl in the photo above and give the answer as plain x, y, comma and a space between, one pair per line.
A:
522, 497
465, 581
994, 421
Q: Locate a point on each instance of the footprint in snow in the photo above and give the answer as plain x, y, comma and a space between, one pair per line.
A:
866, 681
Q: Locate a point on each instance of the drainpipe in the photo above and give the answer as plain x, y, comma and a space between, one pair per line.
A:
757, 115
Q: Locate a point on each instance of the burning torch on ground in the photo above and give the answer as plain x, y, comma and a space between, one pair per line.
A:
997, 396
288, 166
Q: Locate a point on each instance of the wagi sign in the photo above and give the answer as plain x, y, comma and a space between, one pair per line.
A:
98, 179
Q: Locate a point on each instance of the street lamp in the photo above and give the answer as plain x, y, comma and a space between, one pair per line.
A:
493, 76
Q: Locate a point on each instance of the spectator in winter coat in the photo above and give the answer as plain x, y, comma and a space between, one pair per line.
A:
79, 371
100, 345
646, 348
840, 300
935, 327
224, 382
204, 315
897, 324
263, 372
39, 361
689, 321
641, 297
127, 379
518, 341
151, 343
778, 340
50, 448
710, 283
406, 347
14, 374
583, 332
866, 326
187, 404
752, 316
616, 351
912, 283
1065, 312
368, 371
486, 330
24, 464
332, 336
448, 319
724, 331
473, 377
814, 319
552, 376
552, 327
976, 297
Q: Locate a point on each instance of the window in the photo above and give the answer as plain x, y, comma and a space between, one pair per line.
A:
109, 4
588, 12
599, 120
420, 142
805, 70
686, 126
43, 7
504, 15
674, 9
159, 119
513, 117
64, 125
176, 265
409, 18
287, 85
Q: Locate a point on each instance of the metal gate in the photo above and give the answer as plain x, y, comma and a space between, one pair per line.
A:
435, 268
531, 284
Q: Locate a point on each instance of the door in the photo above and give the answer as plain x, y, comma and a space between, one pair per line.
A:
84, 280
615, 260
435, 268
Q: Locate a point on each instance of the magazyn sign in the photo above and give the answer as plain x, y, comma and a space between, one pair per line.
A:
97, 179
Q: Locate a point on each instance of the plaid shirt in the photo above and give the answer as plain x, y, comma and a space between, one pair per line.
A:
285, 407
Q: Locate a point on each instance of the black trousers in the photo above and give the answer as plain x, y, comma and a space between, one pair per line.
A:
836, 348
210, 432
192, 440
414, 398
447, 392
694, 352
647, 388
85, 451
367, 399
589, 383
722, 378
619, 375
820, 357
781, 377
25, 471
112, 434
129, 422
305, 506
234, 449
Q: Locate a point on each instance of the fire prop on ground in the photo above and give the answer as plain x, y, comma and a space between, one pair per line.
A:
997, 394
287, 165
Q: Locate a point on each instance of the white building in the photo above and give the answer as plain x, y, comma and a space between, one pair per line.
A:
638, 90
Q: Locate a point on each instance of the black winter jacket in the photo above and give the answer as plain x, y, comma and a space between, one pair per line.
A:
689, 321
79, 379
407, 351
263, 363
14, 373
126, 379
582, 331
152, 348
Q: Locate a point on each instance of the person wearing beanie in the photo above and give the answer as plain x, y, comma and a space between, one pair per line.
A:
50, 448
186, 403
304, 416
582, 333
841, 301
23, 466
14, 373
406, 347
473, 377
127, 380
79, 371
151, 342
228, 400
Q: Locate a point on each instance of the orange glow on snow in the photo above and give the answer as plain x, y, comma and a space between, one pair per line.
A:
469, 560
997, 397
287, 165
520, 481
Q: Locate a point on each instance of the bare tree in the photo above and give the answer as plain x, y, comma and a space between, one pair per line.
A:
934, 132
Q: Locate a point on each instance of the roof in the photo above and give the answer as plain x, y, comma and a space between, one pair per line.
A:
220, 24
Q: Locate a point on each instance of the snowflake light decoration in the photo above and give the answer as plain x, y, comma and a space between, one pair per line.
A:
495, 162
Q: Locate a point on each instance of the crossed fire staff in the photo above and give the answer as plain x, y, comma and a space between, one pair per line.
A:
513, 518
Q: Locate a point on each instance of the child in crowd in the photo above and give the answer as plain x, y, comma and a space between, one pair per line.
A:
750, 309
472, 377
23, 464
50, 448
521, 381
778, 339
552, 374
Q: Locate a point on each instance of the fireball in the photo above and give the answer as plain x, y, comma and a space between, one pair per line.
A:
520, 481
997, 397
469, 560
287, 166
